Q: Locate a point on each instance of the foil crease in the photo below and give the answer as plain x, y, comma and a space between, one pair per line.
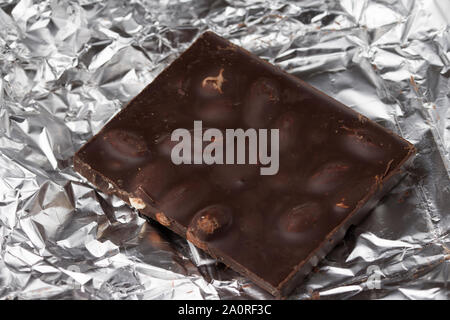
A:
68, 66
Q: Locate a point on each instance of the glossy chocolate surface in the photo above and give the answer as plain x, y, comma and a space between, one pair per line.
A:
332, 161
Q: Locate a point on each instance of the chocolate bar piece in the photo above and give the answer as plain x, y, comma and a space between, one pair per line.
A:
272, 222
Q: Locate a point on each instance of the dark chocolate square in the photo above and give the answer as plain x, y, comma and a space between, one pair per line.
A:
334, 164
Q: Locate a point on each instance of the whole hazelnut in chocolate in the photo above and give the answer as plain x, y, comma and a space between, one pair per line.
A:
298, 220
218, 112
126, 144
288, 126
209, 224
153, 179
363, 146
165, 146
261, 103
123, 149
328, 177
281, 181
183, 199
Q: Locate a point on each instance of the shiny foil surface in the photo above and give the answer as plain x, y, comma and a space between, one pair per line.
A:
68, 66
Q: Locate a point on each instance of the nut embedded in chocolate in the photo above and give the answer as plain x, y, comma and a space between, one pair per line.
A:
300, 219
209, 82
153, 179
161, 218
282, 181
362, 145
137, 203
219, 112
209, 224
126, 144
123, 149
214, 82
182, 200
165, 146
261, 103
288, 126
328, 177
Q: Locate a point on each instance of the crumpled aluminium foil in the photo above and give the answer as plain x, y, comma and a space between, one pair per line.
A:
68, 66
